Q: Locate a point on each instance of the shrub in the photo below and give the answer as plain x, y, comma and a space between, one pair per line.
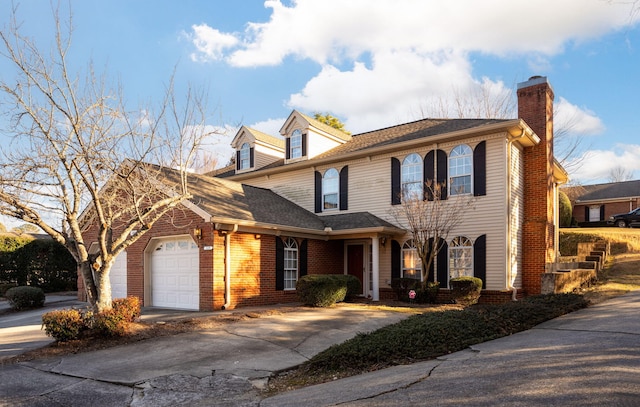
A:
25, 297
110, 323
64, 325
4, 287
354, 287
465, 290
128, 308
321, 290
403, 285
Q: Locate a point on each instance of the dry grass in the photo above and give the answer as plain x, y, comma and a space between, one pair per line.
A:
621, 275
623, 240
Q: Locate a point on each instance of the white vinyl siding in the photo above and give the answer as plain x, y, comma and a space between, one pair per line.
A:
264, 155
370, 191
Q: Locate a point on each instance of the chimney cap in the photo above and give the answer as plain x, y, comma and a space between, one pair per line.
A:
534, 80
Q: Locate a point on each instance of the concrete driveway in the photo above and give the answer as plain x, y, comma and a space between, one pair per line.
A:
21, 331
215, 367
590, 357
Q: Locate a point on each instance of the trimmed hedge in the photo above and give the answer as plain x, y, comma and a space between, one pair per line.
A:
42, 263
324, 290
64, 325
465, 290
25, 297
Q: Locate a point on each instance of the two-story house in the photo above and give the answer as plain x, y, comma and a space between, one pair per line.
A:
318, 201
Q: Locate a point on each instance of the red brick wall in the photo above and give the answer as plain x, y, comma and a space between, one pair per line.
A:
535, 106
610, 208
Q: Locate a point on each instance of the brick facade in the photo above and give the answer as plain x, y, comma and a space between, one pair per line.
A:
610, 208
535, 107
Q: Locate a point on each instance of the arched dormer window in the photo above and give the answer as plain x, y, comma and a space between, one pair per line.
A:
411, 263
245, 157
460, 170
411, 177
460, 257
296, 144
330, 189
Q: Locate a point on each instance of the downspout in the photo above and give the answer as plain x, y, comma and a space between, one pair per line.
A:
227, 266
511, 278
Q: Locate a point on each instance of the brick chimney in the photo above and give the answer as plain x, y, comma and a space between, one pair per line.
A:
535, 107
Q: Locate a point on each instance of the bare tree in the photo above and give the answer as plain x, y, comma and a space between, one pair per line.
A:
430, 217
619, 174
79, 157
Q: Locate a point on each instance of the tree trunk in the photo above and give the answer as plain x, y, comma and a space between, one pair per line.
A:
86, 271
103, 301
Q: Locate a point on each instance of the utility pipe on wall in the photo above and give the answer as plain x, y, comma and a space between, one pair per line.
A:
227, 264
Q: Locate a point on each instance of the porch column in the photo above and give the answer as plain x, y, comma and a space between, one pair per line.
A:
375, 264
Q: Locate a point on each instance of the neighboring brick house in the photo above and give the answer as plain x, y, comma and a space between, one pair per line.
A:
317, 200
594, 204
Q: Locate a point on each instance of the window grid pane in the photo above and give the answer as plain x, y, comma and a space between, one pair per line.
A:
330, 186
412, 177
244, 156
290, 264
296, 144
460, 170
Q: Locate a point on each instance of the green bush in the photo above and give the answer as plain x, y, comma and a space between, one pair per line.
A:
319, 290
25, 297
4, 287
465, 290
403, 285
64, 325
42, 263
354, 287
128, 308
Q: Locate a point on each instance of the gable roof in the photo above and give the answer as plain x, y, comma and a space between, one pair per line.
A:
607, 191
326, 128
259, 136
229, 201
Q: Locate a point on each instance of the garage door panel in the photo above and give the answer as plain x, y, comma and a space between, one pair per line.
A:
118, 276
175, 275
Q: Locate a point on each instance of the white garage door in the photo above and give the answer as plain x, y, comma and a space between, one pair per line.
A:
174, 275
118, 276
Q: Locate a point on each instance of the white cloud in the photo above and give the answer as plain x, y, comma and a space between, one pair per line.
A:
269, 126
576, 120
333, 30
598, 164
210, 43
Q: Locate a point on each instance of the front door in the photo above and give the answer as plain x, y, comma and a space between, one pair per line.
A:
355, 262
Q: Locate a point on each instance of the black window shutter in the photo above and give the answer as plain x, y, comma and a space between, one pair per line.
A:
395, 181
601, 212
395, 259
344, 188
430, 274
443, 169
480, 169
303, 258
443, 264
251, 157
288, 148
304, 144
428, 174
480, 259
237, 160
586, 214
318, 191
279, 264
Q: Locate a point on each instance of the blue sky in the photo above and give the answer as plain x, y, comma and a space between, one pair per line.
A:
372, 63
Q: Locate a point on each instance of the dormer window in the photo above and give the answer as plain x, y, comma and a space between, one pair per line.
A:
245, 155
296, 144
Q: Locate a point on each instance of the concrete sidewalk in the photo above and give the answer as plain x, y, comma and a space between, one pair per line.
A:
588, 358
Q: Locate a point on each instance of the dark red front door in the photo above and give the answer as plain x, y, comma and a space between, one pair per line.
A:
355, 261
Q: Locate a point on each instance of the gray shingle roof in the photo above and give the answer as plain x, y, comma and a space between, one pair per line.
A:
613, 190
359, 220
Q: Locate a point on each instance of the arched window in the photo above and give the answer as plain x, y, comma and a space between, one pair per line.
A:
460, 169
245, 161
290, 264
411, 263
330, 187
411, 178
296, 144
460, 257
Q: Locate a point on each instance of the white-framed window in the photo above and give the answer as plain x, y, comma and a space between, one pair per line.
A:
411, 263
411, 178
460, 170
460, 257
296, 144
245, 152
290, 263
594, 213
330, 187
